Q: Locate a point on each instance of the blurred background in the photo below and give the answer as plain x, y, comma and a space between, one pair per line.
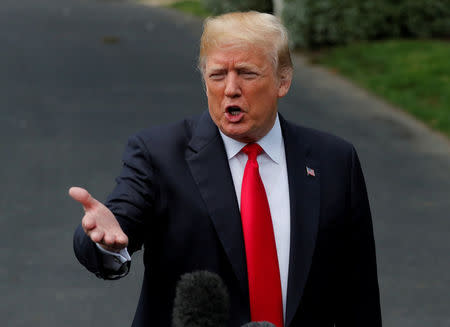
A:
77, 77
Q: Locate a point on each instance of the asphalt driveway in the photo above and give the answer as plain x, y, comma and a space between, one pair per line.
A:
77, 77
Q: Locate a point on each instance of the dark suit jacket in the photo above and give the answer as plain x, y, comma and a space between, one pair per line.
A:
175, 196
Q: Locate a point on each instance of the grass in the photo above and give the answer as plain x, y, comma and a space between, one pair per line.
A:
193, 7
411, 74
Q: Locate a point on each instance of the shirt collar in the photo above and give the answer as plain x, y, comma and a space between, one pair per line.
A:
271, 143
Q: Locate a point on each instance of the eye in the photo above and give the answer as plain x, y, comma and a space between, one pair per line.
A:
247, 74
216, 76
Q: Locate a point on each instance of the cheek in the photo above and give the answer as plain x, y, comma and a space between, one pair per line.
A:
214, 102
213, 92
262, 95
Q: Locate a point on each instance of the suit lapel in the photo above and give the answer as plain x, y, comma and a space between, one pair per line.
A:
208, 163
304, 195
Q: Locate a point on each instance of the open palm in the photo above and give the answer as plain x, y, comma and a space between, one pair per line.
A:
99, 222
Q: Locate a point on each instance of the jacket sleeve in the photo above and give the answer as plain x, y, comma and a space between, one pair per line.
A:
90, 256
131, 202
361, 301
133, 198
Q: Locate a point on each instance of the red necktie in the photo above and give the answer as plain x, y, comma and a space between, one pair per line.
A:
262, 260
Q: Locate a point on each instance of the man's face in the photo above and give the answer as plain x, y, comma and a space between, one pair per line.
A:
242, 89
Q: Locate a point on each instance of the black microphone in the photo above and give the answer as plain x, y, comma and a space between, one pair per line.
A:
259, 324
201, 300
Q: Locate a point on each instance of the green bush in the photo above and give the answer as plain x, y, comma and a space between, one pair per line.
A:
421, 18
222, 6
315, 23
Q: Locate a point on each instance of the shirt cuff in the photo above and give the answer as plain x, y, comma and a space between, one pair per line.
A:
117, 264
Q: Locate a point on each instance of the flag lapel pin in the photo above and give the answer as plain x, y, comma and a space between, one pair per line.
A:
310, 172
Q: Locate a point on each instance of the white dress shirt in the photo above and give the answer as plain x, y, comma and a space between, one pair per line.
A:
273, 171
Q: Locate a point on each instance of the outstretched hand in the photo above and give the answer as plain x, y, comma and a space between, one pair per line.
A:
99, 222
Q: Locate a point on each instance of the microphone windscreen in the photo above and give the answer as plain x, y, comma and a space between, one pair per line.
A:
259, 324
201, 300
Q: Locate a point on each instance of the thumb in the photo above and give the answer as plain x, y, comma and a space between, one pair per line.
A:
81, 195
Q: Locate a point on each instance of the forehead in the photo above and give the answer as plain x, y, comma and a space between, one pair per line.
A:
237, 56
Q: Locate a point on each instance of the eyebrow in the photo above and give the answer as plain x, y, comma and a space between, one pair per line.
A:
243, 65
246, 65
216, 69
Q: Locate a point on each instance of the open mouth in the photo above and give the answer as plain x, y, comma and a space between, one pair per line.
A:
234, 110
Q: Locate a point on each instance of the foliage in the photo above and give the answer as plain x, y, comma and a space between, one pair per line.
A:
315, 23
412, 74
223, 6
425, 18
193, 7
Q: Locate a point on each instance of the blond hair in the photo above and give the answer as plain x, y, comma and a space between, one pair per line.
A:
251, 28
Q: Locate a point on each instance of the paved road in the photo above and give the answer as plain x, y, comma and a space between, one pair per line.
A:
78, 77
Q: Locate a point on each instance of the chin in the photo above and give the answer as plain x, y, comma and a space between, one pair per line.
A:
241, 137
239, 131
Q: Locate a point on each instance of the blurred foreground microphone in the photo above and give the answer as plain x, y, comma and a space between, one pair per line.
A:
201, 300
259, 324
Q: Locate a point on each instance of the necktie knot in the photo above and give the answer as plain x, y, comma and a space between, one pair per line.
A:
252, 150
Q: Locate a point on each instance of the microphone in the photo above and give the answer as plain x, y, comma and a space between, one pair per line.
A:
259, 324
201, 300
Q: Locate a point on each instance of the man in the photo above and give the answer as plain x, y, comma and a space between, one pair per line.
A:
279, 211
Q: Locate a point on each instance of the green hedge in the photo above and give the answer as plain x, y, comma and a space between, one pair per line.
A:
217, 7
314, 23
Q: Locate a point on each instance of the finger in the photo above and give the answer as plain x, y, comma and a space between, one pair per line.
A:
114, 243
122, 240
88, 223
81, 195
96, 236
109, 239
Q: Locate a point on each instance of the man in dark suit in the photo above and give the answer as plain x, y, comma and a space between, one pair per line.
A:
187, 194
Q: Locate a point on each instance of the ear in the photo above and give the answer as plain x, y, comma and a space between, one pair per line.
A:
285, 80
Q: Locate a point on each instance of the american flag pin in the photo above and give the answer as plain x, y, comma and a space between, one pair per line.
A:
310, 172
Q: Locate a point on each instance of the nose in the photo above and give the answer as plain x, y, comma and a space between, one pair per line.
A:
232, 86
